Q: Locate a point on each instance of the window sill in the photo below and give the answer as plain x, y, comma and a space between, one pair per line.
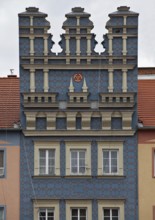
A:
111, 176
45, 176
78, 176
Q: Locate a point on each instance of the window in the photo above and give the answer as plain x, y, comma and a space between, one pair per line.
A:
153, 162
46, 214
111, 161
46, 209
1, 213
47, 161
78, 158
110, 214
111, 209
78, 209
78, 163
1, 163
46, 158
79, 214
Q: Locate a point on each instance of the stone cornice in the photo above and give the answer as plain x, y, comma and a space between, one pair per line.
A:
77, 66
82, 133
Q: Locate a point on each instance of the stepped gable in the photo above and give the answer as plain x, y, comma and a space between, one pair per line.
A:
9, 101
78, 28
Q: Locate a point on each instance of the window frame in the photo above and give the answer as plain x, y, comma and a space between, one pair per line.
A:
78, 146
111, 204
46, 211
110, 146
78, 216
153, 162
110, 162
2, 207
46, 161
78, 161
42, 145
77, 204
4, 163
111, 216
45, 204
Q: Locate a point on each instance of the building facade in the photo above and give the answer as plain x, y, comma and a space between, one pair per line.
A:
9, 148
79, 118
146, 143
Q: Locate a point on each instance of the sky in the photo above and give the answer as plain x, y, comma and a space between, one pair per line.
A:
56, 10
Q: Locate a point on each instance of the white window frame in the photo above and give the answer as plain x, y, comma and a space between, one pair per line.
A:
45, 204
46, 161
111, 216
77, 204
78, 160
78, 146
79, 212
110, 161
46, 211
111, 204
42, 145
110, 146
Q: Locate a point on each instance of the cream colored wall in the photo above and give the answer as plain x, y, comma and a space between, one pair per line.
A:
146, 181
9, 186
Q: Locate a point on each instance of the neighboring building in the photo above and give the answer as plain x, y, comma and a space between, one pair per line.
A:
9, 148
79, 119
146, 143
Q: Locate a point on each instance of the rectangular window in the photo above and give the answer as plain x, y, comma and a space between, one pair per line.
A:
47, 161
110, 214
153, 162
78, 161
46, 214
1, 162
1, 213
78, 214
110, 161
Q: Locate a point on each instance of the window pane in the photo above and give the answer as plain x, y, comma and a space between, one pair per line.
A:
106, 212
82, 154
82, 218
115, 212
83, 212
42, 170
74, 218
114, 154
1, 158
74, 154
74, 212
105, 154
74, 170
74, 162
51, 170
51, 153
106, 166
107, 218
42, 161
82, 162
82, 170
1, 213
42, 153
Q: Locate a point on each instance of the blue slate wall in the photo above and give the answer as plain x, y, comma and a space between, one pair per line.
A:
84, 188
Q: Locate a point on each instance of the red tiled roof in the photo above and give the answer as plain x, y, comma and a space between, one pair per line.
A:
146, 101
146, 70
9, 101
